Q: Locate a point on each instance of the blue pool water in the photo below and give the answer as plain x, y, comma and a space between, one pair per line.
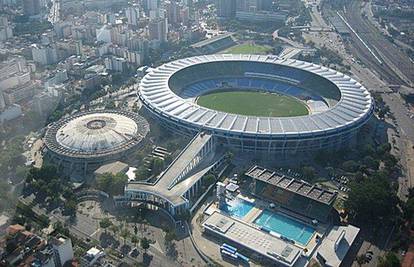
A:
238, 207
285, 226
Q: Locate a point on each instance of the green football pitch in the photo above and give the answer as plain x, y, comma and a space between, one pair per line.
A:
247, 48
253, 103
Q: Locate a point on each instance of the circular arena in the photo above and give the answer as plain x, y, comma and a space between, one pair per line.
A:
257, 103
81, 143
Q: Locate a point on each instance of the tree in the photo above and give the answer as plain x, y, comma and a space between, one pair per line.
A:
21, 172
350, 166
409, 209
70, 207
157, 166
371, 162
169, 244
112, 184
361, 259
60, 228
322, 157
114, 228
145, 244
330, 170
389, 260
170, 236
383, 149
105, 223
308, 172
209, 179
124, 234
134, 240
141, 173
368, 150
372, 201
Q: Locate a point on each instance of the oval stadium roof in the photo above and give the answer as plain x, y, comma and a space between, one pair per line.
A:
354, 107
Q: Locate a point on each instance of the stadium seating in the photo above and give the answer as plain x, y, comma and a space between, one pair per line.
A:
191, 82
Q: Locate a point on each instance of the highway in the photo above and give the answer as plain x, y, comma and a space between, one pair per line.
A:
396, 68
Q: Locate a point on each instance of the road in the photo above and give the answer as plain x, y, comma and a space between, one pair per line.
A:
396, 67
404, 137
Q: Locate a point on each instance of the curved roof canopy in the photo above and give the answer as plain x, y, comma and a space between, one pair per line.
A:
353, 108
96, 133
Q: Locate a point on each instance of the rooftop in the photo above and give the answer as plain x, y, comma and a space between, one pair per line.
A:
291, 184
336, 245
262, 243
166, 185
353, 109
211, 40
96, 133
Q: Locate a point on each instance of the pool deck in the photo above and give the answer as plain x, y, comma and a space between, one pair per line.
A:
260, 206
256, 240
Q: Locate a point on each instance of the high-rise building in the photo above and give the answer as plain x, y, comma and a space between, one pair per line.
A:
158, 30
250, 5
2, 102
62, 250
117, 64
104, 34
132, 14
173, 11
185, 15
31, 7
45, 55
6, 31
151, 5
188, 3
265, 5
226, 8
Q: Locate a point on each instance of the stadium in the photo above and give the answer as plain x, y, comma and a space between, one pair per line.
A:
82, 142
257, 103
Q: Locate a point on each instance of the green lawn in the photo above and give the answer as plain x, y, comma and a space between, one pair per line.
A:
248, 49
253, 103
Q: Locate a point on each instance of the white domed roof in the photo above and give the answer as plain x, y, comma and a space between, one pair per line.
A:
97, 132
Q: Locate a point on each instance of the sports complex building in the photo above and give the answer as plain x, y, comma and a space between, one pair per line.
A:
262, 104
81, 143
306, 107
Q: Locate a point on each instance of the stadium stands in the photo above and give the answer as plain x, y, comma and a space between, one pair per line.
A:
296, 195
263, 76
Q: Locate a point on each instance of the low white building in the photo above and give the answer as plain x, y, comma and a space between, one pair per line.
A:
336, 244
92, 256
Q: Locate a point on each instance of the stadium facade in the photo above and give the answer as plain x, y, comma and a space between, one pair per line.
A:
338, 104
81, 143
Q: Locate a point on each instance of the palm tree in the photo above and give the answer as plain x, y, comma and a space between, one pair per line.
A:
134, 239
114, 229
145, 244
105, 223
124, 234
361, 259
144, 222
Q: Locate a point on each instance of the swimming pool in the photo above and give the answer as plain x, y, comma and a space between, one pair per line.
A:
238, 207
285, 226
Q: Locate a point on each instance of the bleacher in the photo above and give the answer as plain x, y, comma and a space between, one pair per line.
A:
205, 86
201, 78
289, 193
214, 44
